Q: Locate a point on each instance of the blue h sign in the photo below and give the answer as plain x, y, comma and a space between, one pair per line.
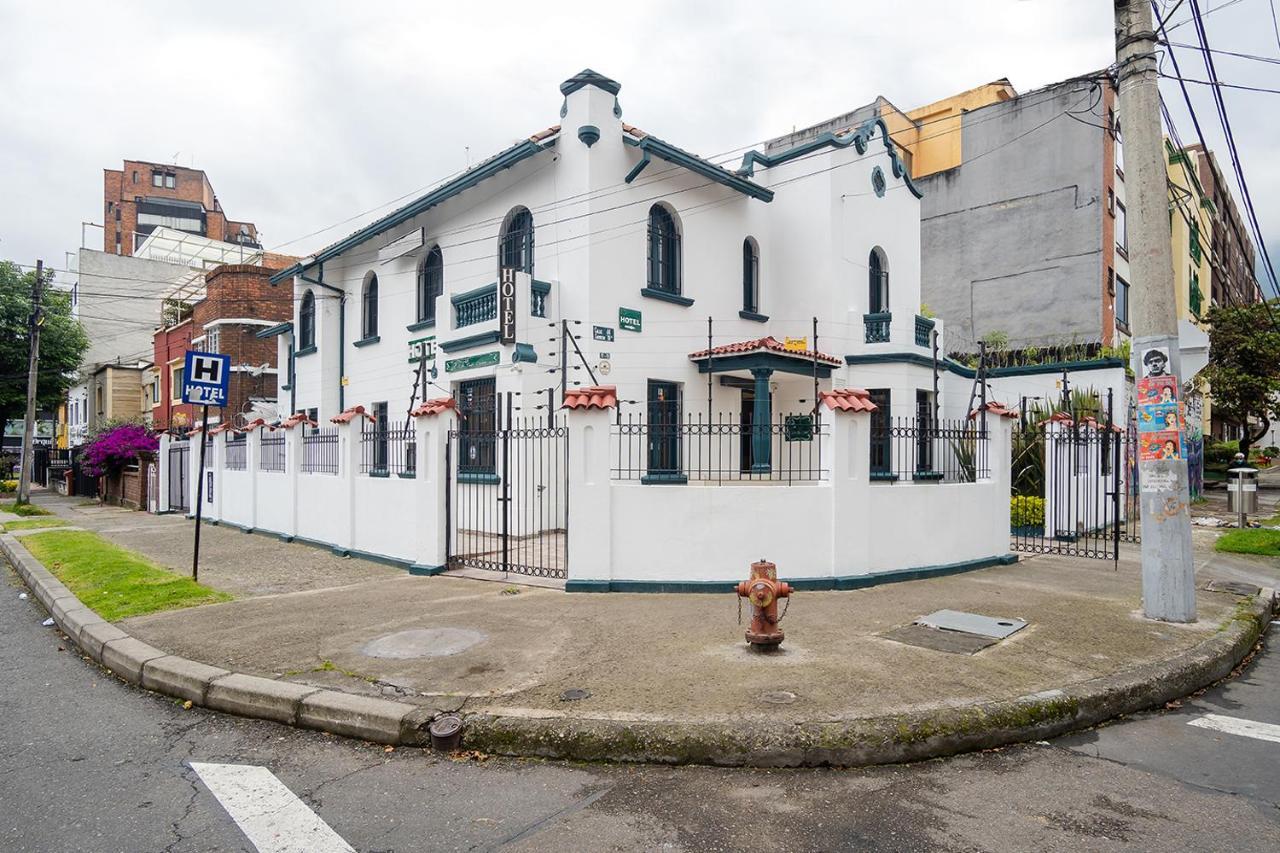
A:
205, 378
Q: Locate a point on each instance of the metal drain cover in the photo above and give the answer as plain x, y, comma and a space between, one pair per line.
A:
1233, 587
972, 623
573, 694
778, 697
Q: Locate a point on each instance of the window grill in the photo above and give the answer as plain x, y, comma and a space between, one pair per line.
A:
271, 452
320, 451
664, 251
385, 452
921, 450
236, 444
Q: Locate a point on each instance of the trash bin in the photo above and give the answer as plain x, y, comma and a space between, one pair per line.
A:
1242, 490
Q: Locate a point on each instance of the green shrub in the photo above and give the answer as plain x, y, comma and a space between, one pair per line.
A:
1271, 450
1220, 452
1026, 511
8, 487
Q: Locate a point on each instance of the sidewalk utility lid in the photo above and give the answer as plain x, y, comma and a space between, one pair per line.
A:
972, 623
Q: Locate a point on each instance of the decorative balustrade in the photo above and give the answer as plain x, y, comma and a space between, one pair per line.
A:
877, 327
538, 298
476, 306
924, 331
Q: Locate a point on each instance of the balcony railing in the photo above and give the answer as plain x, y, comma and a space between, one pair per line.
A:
877, 327
924, 331
538, 298
476, 306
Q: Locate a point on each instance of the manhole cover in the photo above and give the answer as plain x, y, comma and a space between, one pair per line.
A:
1233, 587
778, 697
956, 642
972, 623
573, 694
423, 643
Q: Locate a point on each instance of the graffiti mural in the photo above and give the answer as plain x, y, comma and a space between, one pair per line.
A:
1193, 438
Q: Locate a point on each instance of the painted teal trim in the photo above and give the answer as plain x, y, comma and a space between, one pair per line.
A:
970, 373
543, 287
637, 168
694, 163
364, 342
381, 473
304, 351
753, 316
407, 475
664, 479
858, 139
674, 298
761, 361
420, 570
484, 479
587, 77
843, 582
490, 337
517, 153
474, 294
420, 325
394, 562
278, 329
524, 352
588, 135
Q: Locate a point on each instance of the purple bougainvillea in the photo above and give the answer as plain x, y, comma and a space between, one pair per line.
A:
118, 447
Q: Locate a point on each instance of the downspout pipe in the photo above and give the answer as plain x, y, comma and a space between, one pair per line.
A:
342, 332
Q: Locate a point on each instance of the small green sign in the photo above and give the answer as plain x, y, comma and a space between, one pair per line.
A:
467, 362
628, 319
798, 427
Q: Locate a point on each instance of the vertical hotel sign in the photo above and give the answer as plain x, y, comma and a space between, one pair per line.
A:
507, 306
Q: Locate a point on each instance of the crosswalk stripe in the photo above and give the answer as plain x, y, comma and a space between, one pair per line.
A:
1237, 726
267, 812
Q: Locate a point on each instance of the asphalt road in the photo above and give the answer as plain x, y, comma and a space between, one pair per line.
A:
88, 763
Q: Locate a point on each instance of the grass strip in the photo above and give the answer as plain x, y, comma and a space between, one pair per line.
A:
113, 581
1265, 543
23, 509
34, 524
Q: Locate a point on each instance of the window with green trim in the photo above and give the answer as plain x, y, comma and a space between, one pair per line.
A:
477, 432
1195, 241
1197, 298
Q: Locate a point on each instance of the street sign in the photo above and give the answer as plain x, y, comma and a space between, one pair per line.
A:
453, 365
205, 378
602, 333
507, 306
628, 319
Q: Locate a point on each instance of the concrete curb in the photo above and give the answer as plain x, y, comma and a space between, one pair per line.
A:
874, 740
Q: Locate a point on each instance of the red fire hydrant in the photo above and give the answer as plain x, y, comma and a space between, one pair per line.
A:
763, 591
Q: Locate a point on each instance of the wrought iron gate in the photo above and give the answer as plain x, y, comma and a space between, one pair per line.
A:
507, 492
178, 457
1074, 488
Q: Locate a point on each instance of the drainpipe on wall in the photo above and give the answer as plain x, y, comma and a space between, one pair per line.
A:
342, 333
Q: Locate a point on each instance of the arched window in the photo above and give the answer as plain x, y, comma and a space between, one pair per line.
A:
307, 321
430, 284
369, 305
515, 246
750, 276
877, 282
664, 250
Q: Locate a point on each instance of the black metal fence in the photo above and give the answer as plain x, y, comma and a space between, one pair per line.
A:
271, 452
320, 451
929, 451
726, 448
84, 484
384, 452
507, 498
237, 445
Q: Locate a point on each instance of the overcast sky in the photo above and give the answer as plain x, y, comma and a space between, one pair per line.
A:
306, 114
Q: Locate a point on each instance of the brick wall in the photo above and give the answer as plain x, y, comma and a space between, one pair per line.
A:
192, 185
169, 347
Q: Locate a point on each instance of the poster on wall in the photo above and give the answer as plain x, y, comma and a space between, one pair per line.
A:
1158, 417
1157, 390
1165, 444
1155, 361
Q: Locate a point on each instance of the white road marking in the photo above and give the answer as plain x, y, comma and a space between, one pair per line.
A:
268, 813
1237, 726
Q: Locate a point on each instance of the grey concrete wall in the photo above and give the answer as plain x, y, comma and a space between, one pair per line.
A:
119, 304
1011, 240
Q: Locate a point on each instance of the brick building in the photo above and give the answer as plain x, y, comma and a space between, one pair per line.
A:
142, 196
1231, 254
236, 301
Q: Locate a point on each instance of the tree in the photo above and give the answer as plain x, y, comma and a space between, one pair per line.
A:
1244, 368
62, 343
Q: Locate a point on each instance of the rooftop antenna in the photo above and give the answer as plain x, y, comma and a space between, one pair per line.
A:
467, 148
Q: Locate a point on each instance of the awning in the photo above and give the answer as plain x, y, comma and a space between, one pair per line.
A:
767, 353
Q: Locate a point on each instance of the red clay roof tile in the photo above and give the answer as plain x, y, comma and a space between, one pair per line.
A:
769, 344
295, 419
996, 409
438, 406
848, 400
350, 414
594, 397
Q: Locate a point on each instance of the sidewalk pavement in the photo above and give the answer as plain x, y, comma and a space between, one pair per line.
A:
501, 652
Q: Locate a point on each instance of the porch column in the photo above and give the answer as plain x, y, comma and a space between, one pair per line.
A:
761, 416
432, 422
589, 539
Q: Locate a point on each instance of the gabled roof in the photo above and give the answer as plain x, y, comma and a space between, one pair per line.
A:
848, 400
438, 406
767, 344
482, 171
651, 146
593, 397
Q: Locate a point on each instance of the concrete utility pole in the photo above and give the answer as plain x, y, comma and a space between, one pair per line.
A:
1168, 568
33, 370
